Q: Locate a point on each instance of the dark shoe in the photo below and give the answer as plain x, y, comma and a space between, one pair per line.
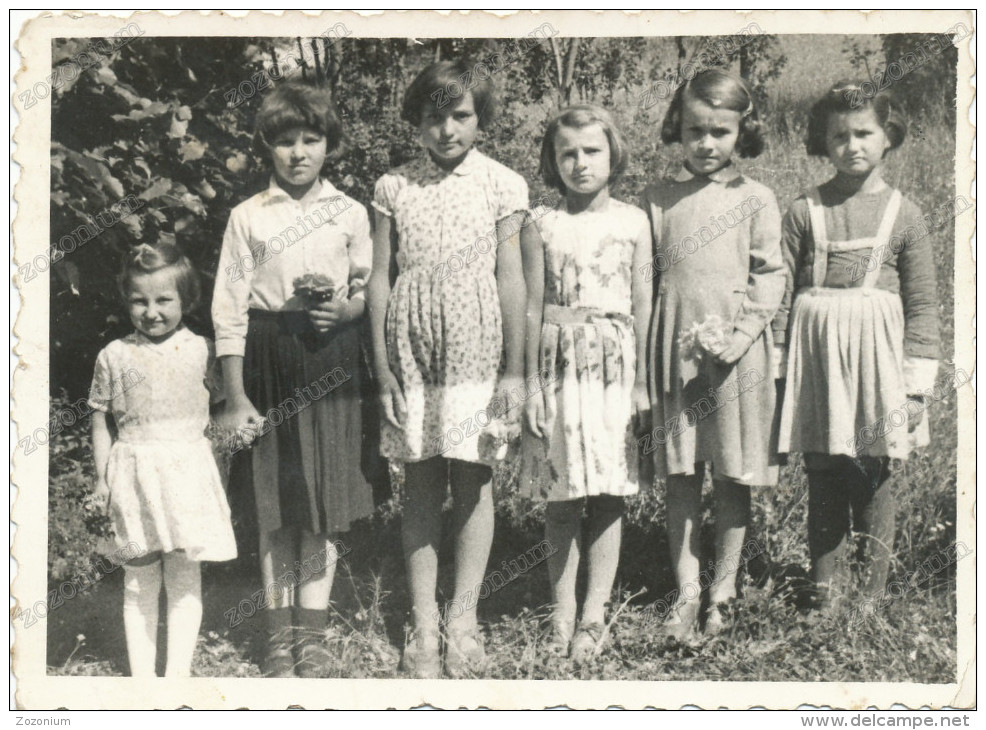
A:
421, 658
587, 642
278, 660
465, 653
314, 657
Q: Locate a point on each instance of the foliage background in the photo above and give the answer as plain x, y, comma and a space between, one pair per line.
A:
154, 120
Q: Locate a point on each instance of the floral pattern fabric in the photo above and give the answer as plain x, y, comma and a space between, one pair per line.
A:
587, 357
443, 330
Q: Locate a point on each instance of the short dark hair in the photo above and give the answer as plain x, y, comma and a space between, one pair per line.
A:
146, 259
443, 83
848, 96
577, 117
718, 88
299, 104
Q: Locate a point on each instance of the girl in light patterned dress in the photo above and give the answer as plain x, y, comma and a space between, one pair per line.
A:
588, 312
446, 302
155, 466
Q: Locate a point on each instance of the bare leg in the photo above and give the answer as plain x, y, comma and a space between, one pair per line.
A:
604, 528
278, 549
141, 591
472, 519
563, 531
684, 531
183, 584
732, 510
317, 567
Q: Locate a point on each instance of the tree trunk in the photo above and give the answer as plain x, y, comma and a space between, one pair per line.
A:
318, 63
301, 59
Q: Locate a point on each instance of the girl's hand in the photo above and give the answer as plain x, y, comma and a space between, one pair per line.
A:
326, 316
914, 419
534, 416
392, 399
101, 494
240, 416
641, 409
511, 384
739, 343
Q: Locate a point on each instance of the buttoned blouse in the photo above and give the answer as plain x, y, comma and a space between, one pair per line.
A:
271, 240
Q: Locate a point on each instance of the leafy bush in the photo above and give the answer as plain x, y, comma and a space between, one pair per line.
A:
74, 526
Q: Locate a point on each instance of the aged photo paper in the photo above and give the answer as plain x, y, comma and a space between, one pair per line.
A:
243, 173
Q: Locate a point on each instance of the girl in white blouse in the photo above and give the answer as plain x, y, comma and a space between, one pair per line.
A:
288, 301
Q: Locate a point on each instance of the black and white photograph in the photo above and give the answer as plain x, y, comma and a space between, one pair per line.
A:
618, 349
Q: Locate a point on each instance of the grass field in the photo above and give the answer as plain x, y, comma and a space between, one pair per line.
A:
913, 638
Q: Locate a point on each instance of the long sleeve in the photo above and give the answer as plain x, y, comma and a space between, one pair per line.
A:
360, 249
793, 231
765, 287
919, 295
918, 291
231, 298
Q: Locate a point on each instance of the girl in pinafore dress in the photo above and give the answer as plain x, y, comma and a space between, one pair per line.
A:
287, 307
445, 229
863, 336
155, 465
720, 282
588, 312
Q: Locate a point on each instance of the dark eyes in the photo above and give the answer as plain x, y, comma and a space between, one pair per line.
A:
289, 141
717, 132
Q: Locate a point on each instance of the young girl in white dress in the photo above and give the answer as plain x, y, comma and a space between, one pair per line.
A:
588, 312
155, 466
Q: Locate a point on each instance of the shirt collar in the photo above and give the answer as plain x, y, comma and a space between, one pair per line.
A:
326, 190
469, 164
723, 175
181, 333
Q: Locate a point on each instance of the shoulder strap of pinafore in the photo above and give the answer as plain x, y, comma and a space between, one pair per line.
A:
816, 215
882, 239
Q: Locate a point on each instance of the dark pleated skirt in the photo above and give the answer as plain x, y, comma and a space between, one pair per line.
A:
307, 469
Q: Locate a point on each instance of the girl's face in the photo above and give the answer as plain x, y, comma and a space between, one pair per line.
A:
154, 303
582, 158
708, 135
855, 141
298, 154
449, 132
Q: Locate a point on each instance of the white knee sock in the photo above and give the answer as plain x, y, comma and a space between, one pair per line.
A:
141, 591
183, 584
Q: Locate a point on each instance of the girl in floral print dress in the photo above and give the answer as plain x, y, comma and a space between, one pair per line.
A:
588, 311
446, 299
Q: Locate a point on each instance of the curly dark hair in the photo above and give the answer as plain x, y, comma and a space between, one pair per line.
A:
718, 88
849, 96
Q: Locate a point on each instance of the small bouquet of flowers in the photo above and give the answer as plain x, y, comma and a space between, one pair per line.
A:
314, 289
501, 436
710, 336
